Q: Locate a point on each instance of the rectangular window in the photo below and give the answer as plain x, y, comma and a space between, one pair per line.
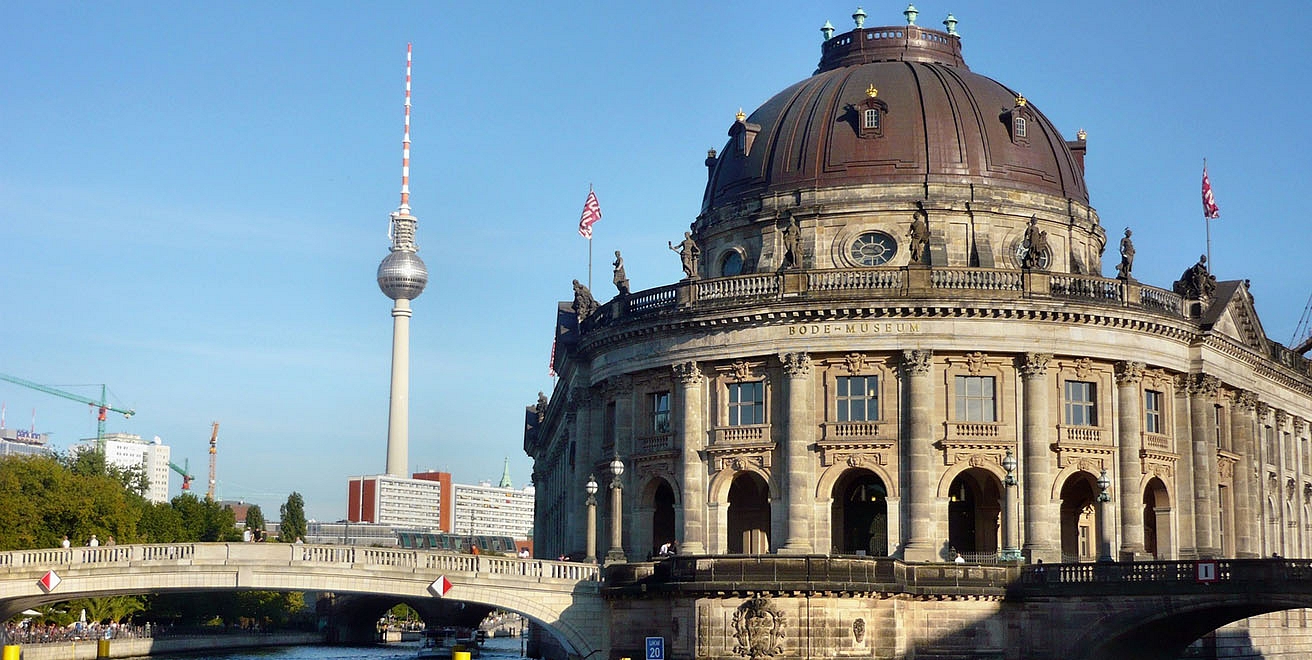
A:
1020, 127
1152, 411
872, 118
660, 412
1081, 409
858, 398
975, 401
746, 403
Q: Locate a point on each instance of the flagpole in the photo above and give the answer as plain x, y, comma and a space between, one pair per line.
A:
590, 249
1211, 265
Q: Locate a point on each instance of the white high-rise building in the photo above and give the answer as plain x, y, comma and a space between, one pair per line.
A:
494, 510
126, 450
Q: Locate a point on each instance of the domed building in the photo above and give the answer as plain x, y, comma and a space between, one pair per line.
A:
895, 338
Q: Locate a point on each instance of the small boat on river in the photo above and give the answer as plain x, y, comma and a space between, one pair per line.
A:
442, 643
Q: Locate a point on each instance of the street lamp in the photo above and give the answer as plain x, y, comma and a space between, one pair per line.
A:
591, 549
616, 552
1010, 547
1104, 526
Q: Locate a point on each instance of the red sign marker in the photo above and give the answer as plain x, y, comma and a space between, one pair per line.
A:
49, 581
440, 587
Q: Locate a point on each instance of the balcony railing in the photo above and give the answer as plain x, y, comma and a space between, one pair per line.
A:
973, 431
742, 435
851, 430
1157, 441
1084, 435
655, 444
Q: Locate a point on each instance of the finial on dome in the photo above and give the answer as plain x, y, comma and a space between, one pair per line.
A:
911, 13
860, 17
1020, 100
951, 24
827, 30
871, 91
1081, 135
740, 116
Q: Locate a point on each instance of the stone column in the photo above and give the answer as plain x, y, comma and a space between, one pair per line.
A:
1129, 408
797, 454
688, 427
1298, 488
1247, 512
1266, 544
1282, 490
1184, 475
1036, 461
1207, 512
917, 366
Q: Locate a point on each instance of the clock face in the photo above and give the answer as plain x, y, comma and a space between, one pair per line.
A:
873, 249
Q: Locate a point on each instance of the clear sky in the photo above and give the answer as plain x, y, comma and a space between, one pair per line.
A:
194, 196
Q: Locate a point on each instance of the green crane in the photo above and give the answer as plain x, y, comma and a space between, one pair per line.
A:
102, 406
185, 471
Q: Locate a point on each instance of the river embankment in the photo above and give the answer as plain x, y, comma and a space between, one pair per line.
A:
141, 647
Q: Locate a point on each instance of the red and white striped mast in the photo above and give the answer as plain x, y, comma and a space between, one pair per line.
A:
402, 277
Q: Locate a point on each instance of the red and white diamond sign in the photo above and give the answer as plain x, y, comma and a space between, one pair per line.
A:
49, 581
440, 586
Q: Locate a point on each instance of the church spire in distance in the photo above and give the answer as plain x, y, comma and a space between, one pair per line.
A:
402, 277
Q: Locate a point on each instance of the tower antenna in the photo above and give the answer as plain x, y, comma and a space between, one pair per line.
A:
405, 140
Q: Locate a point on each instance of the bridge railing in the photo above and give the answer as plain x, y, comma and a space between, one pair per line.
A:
225, 553
1161, 576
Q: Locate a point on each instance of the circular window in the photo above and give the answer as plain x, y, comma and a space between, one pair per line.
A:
731, 264
1043, 258
873, 249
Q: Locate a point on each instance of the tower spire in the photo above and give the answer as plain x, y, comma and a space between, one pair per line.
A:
505, 475
405, 140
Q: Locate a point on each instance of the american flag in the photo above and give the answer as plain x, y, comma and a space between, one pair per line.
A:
1210, 209
591, 214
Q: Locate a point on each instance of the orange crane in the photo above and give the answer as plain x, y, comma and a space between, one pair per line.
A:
214, 452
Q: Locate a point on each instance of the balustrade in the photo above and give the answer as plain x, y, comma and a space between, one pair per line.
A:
977, 279
1087, 435
733, 435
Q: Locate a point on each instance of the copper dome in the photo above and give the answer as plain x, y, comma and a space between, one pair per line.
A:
941, 124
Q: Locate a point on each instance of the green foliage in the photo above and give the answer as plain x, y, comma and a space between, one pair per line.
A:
403, 612
255, 519
107, 608
293, 524
205, 520
41, 500
92, 463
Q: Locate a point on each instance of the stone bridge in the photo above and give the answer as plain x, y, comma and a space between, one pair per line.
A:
562, 597
1069, 611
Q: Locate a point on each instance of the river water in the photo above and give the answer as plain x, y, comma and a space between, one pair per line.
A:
497, 648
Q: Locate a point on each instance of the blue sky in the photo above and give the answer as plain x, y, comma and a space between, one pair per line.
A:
194, 197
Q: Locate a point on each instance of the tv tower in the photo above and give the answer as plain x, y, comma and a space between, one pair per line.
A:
402, 277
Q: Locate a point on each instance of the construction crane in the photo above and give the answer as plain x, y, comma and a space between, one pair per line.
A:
1302, 341
214, 452
185, 472
103, 408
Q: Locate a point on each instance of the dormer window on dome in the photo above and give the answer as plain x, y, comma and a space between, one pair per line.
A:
743, 134
870, 115
1018, 119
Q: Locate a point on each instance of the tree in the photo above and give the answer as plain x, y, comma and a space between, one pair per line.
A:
293, 525
255, 520
205, 520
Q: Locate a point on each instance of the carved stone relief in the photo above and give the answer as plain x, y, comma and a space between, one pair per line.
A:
975, 362
758, 629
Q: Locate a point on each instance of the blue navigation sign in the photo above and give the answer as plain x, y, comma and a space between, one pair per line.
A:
655, 648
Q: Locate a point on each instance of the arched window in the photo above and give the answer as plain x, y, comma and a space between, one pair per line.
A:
1020, 128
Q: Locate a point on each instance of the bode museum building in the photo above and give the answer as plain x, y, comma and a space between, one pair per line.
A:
904, 332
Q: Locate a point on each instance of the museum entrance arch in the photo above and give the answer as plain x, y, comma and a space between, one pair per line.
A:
749, 515
974, 510
1078, 496
1157, 520
859, 514
662, 515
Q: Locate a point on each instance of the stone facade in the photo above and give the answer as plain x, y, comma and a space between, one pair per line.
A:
995, 398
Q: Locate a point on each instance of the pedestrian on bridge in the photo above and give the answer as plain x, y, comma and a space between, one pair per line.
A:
94, 542
65, 543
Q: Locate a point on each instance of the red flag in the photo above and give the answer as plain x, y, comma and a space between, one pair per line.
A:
591, 214
1210, 209
551, 364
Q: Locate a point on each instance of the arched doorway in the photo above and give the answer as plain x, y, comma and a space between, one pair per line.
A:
1157, 520
662, 515
974, 510
749, 515
1078, 525
859, 514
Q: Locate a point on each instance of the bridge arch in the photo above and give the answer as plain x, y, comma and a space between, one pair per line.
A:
562, 597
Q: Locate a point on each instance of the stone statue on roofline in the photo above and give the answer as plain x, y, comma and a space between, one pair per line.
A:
1197, 282
1127, 258
621, 280
918, 234
792, 259
584, 303
1036, 245
689, 253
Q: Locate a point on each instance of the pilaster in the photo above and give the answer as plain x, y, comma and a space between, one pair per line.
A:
1207, 513
1129, 409
689, 427
798, 457
1036, 461
920, 545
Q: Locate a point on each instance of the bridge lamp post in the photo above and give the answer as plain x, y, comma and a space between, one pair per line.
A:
1104, 525
591, 550
616, 553
1010, 546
